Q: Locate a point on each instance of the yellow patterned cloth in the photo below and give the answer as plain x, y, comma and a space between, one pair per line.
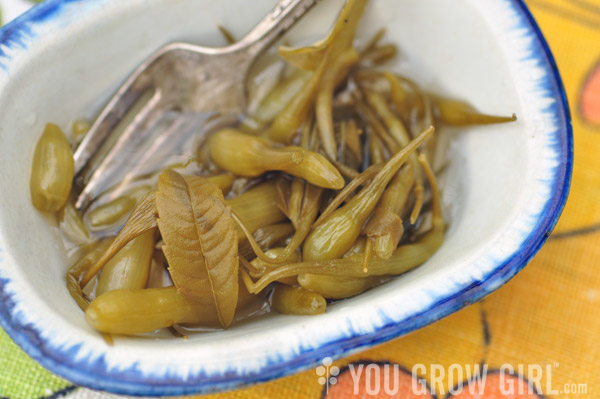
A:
546, 319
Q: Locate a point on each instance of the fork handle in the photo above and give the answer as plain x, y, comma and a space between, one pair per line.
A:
274, 25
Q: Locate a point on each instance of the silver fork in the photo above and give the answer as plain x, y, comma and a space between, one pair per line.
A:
177, 77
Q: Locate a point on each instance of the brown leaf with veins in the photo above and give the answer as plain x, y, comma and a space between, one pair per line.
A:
200, 241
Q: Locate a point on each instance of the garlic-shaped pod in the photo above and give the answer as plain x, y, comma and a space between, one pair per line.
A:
250, 156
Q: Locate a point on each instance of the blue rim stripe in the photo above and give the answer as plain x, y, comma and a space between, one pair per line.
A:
131, 382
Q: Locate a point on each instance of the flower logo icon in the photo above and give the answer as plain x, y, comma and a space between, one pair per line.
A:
327, 373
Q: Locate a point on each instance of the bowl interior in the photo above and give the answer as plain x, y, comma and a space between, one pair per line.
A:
70, 63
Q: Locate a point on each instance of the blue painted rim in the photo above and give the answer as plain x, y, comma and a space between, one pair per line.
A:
125, 383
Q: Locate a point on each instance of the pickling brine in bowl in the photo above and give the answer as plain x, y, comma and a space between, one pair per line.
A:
371, 187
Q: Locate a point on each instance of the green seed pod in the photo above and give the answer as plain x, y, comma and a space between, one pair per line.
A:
385, 226
316, 169
53, 170
281, 95
338, 232
117, 209
297, 300
129, 267
256, 207
274, 253
224, 181
266, 237
111, 212
335, 287
251, 156
138, 311
460, 113
394, 125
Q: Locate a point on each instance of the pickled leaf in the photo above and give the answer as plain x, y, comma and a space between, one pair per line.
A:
200, 241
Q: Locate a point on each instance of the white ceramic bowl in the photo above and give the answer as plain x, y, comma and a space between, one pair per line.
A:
504, 191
